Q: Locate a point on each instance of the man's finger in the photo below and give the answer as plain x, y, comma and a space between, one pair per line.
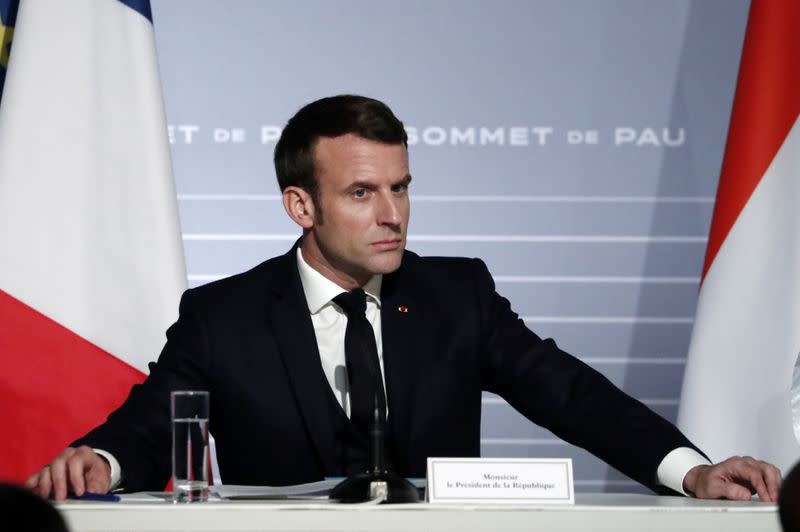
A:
33, 481
773, 477
746, 471
58, 472
45, 482
710, 487
774, 481
76, 468
755, 472
98, 473
736, 492
98, 477
757, 481
96, 485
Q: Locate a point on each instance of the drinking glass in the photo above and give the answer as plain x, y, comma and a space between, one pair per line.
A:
190, 458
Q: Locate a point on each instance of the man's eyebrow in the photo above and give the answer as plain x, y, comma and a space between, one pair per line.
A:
361, 184
405, 180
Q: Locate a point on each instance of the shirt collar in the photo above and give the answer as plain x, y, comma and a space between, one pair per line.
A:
319, 290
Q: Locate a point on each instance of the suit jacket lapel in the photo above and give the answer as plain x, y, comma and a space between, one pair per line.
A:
291, 324
406, 331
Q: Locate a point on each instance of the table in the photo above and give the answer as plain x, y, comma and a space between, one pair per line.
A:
592, 511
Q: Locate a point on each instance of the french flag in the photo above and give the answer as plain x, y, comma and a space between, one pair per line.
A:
741, 392
91, 258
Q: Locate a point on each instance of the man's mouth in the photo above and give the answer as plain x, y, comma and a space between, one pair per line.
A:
387, 245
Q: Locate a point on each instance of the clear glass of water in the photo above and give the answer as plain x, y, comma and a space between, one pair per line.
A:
190, 459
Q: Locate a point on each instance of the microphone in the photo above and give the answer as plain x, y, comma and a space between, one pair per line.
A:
378, 482
378, 439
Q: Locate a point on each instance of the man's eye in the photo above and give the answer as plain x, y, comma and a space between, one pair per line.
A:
399, 188
359, 192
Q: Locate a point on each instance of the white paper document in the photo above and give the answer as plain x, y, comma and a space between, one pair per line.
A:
311, 490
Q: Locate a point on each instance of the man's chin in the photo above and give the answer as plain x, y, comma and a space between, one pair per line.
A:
387, 262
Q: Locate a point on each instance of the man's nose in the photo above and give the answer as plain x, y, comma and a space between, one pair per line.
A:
389, 211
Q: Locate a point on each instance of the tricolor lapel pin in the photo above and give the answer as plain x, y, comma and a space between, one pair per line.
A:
402, 308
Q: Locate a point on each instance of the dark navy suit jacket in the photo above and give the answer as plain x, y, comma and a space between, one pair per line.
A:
248, 339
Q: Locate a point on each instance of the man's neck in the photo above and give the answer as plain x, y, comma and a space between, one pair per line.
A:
319, 290
312, 256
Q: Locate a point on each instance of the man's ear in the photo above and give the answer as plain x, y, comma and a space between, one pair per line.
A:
299, 206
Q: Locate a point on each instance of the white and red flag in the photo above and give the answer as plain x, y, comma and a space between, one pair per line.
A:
741, 391
91, 259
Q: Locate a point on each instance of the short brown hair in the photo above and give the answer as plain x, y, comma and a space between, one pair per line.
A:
330, 117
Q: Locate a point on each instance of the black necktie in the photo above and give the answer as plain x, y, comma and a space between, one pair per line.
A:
363, 367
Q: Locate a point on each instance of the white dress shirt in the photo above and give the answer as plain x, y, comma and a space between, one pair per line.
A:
330, 322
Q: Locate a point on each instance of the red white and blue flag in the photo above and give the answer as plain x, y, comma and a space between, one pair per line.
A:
91, 258
741, 392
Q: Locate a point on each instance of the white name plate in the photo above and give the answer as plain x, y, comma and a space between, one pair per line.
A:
501, 480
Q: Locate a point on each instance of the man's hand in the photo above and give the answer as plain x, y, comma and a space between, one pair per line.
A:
736, 478
77, 470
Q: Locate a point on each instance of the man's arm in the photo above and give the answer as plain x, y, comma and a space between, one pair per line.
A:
137, 434
578, 404
563, 394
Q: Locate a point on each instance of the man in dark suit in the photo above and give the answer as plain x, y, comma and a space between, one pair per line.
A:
272, 345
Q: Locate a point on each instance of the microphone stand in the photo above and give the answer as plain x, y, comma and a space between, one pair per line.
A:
378, 482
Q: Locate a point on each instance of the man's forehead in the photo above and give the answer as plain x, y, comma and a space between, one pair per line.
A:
353, 149
351, 139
